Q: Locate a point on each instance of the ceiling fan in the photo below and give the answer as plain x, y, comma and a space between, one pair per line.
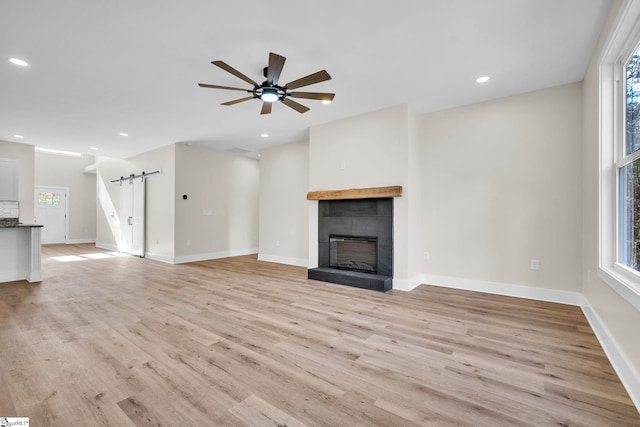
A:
270, 91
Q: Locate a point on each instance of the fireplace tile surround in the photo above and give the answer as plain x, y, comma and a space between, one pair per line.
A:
361, 218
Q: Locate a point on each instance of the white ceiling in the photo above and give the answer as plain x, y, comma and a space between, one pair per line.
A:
98, 68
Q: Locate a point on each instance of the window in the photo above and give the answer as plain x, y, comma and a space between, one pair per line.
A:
629, 167
48, 198
619, 178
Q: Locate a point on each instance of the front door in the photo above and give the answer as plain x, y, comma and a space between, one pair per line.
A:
51, 212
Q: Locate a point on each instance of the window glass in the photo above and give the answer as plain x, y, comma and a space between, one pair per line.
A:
632, 119
629, 214
48, 198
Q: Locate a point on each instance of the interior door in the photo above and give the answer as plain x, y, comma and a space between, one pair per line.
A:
132, 213
51, 212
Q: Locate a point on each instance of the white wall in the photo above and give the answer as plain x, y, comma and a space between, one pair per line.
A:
618, 318
284, 220
220, 216
24, 154
160, 197
64, 171
502, 186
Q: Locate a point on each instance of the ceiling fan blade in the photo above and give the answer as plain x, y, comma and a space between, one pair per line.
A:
235, 101
228, 68
276, 62
318, 77
296, 106
313, 95
222, 87
266, 108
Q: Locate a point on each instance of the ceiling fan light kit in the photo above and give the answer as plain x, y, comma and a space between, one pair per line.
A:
269, 91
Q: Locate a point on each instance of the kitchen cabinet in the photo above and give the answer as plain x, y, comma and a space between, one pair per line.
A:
8, 180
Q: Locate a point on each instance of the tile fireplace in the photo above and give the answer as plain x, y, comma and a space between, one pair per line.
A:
355, 243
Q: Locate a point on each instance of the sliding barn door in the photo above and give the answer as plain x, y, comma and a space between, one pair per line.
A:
132, 206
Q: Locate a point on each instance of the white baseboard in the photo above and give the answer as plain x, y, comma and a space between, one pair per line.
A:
629, 377
13, 275
300, 262
185, 258
213, 255
107, 246
506, 289
159, 257
407, 284
79, 241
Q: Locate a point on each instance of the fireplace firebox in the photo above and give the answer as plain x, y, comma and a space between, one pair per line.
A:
353, 253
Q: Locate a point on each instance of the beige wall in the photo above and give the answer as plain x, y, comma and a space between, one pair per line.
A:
618, 317
220, 216
284, 224
24, 154
160, 196
64, 171
502, 186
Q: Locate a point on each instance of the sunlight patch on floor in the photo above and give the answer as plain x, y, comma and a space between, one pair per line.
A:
68, 258
84, 257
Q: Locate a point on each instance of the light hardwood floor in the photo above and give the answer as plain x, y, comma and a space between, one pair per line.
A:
124, 341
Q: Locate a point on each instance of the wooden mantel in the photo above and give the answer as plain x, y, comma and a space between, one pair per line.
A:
356, 193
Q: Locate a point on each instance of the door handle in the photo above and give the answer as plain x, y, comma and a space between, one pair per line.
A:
129, 220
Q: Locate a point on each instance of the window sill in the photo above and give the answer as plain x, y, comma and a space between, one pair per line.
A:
624, 281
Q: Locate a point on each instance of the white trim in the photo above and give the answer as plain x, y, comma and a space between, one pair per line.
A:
213, 255
629, 377
107, 246
79, 241
185, 258
407, 284
160, 257
506, 289
618, 284
13, 275
621, 42
300, 262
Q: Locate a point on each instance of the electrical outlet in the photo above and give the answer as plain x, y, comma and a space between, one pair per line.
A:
426, 256
535, 264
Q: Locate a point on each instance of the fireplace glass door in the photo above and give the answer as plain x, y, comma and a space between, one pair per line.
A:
353, 253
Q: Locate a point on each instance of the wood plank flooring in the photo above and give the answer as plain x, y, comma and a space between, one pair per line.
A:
109, 340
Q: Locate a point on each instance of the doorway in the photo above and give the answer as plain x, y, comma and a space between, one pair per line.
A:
52, 212
132, 213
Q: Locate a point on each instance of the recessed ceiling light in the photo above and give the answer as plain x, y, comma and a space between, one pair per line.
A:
124, 134
326, 101
483, 79
19, 62
264, 135
94, 148
18, 136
